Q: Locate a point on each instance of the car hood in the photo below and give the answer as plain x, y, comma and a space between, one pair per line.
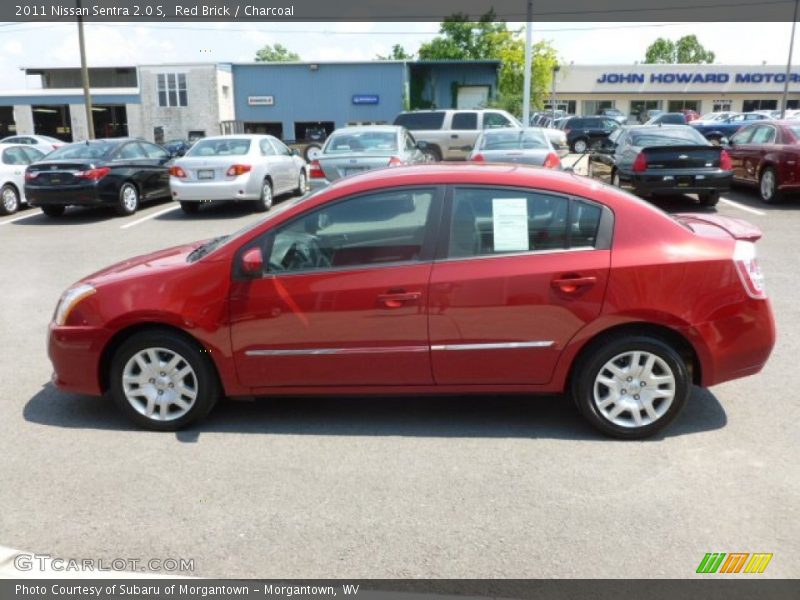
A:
146, 264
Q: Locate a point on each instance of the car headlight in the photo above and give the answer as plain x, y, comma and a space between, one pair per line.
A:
70, 300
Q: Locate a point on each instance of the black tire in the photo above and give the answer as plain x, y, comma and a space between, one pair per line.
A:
9, 200
432, 154
203, 377
264, 203
190, 208
595, 361
53, 210
576, 145
771, 195
709, 199
308, 149
128, 200
302, 183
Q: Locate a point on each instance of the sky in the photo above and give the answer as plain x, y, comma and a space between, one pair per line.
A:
108, 44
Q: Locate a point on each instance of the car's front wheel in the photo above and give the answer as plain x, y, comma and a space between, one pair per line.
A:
631, 386
128, 200
302, 183
9, 200
160, 380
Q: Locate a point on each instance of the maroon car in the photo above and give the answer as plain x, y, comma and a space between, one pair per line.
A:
766, 155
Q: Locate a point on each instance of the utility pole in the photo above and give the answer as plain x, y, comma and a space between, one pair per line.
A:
87, 98
789, 63
556, 69
526, 93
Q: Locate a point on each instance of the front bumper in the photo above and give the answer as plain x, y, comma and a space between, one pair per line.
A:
233, 189
678, 182
75, 354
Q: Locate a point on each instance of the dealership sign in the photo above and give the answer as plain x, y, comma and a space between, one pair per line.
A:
261, 100
366, 99
684, 77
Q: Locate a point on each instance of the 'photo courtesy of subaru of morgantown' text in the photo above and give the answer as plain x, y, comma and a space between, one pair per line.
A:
454, 300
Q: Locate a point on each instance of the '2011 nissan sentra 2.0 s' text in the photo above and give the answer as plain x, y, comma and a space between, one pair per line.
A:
424, 280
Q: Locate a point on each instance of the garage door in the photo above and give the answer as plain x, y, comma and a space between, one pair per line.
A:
473, 96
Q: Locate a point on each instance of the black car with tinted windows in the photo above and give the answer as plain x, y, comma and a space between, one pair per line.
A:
118, 172
662, 160
585, 132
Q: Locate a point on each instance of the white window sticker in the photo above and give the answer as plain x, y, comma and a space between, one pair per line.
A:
510, 220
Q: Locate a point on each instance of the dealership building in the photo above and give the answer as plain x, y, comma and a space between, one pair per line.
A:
585, 89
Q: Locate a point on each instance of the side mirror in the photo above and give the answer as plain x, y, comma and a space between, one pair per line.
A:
252, 262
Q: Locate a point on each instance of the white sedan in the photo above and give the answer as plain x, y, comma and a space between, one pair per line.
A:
43, 143
13, 161
252, 168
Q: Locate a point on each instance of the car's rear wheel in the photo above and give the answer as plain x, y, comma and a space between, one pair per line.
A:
768, 186
432, 154
9, 200
709, 198
128, 200
579, 146
161, 381
190, 208
631, 386
302, 183
264, 203
53, 210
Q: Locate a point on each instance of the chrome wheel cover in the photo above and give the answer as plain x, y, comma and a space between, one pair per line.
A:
615, 180
580, 147
130, 199
767, 185
266, 194
303, 184
159, 384
634, 389
10, 199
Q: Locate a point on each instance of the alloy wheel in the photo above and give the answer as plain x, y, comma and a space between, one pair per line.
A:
159, 384
767, 185
266, 195
634, 389
10, 200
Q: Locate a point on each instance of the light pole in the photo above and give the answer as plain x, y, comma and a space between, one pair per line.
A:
789, 63
87, 98
526, 92
556, 69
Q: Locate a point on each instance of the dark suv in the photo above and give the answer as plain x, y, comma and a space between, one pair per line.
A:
584, 132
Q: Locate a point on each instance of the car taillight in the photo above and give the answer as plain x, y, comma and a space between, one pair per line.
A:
177, 172
478, 158
395, 161
725, 161
552, 161
93, 174
236, 170
640, 163
315, 170
744, 257
31, 175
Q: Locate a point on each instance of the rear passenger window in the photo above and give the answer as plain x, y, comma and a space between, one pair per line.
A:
416, 121
499, 221
465, 120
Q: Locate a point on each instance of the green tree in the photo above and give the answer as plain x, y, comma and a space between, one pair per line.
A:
276, 53
686, 50
460, 39
398, 53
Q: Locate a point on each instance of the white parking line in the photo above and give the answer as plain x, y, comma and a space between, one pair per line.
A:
148, 217
743, 207
19, 218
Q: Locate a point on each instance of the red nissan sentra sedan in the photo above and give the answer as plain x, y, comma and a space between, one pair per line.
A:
429, 280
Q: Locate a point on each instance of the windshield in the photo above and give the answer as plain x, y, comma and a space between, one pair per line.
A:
529, 139
383, 142
220, 147
99, 149
678, 136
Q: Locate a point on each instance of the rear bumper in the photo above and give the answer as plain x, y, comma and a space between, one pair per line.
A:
678, 182
82, 195
75, 354
234, 189
317, 183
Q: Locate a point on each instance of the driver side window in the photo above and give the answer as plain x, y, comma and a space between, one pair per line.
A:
373, 229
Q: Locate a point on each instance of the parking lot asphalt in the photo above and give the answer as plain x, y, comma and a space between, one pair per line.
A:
403, 487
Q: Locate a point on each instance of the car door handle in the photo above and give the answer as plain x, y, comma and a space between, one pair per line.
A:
454, 136
399, 299
569, 285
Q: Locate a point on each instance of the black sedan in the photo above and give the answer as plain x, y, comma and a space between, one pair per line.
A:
118, 172
662, 160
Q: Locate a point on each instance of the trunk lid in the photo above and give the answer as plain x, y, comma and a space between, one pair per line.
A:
719, 226
335, 167
59, 172
682, 157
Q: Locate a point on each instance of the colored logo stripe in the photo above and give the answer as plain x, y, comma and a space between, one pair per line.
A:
713, 562
758, 563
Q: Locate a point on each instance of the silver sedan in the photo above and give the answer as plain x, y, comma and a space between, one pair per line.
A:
352, 150
529, 146
253, 168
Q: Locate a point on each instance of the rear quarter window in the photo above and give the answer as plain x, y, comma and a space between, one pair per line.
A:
421, 120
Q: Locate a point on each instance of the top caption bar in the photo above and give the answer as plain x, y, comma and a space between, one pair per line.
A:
393, 10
